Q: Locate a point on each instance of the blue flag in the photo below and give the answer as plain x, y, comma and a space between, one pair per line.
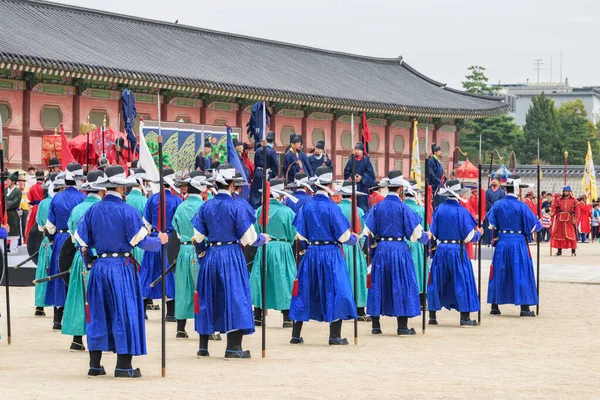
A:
256, 125
129, 114
234, 160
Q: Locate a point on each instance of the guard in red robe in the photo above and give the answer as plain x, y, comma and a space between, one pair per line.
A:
34, 196
565, 211
584, 219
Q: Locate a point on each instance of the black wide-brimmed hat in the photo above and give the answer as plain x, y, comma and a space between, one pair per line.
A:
514, 180
56, 181
453, 187
196, 178
91, 179
323, 176
74, 172
240, 180
394, 179
271, 137
277, 189
376, 185
413, 188
225, 174
320, 145
39, 175
139, 174
359, 146
346, 189
295, 138
115, 177
54, 162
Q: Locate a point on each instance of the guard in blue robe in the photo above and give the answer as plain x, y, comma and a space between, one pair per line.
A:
492, 195
295, 160
322, 290
364, 169
272, 159
225, 303
451, 280
116, 308
319, 158
301, 193
153, 262
204, 163
394, 289
435, 173
255, 199
57, 227
512, 280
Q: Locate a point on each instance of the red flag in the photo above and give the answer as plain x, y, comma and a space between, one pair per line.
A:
65, 154
429, 205
88, 318
356, 221
366, 133
196, 303
482, 203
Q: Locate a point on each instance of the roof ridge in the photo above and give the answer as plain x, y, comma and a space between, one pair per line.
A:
111, 14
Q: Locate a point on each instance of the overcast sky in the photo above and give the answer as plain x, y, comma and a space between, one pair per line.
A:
440, 38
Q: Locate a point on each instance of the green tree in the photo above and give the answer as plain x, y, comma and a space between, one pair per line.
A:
576, 130
477, 82
500, 134
541, 122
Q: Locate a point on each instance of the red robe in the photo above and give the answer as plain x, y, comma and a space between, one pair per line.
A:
565, 212
34, 197
249, 164
375, 198
585, 215
531, 204
472, 206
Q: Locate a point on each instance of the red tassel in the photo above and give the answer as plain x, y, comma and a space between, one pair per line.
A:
369, 281
295, 288
429, 204
482, 204
491, 272
430, 279
88, 318
264, 217
196, 303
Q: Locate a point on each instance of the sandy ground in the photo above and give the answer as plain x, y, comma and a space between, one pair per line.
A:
553, 356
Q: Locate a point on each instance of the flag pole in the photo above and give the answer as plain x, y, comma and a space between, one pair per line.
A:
161, 228
354, 227
539, 242
265, 199
426, 245
5, 252
479, 220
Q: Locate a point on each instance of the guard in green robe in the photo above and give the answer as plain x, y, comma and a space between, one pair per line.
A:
416, 248
13, 197
137, 199
281, 264
186, 270
74, 314
45, 253
361, 260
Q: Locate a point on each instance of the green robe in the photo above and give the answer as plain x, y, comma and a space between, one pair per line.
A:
361, 273
281, 264
74, 314
137, 199
186, 272
416, 248
44, 255
13, 202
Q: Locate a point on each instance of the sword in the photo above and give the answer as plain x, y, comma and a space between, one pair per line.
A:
51, 277
171, 268
19, 265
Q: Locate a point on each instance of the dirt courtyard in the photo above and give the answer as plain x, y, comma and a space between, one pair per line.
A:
553, 356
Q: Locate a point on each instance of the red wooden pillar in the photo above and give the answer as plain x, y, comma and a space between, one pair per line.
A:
203, 113
76, 113
304, 129
389, 146
238, 118
331, 154
26, 149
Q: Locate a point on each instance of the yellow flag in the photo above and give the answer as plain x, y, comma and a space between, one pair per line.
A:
415, 165
588, 182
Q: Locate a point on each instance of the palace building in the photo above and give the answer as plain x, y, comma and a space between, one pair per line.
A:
65, 64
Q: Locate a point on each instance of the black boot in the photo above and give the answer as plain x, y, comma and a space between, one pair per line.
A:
39, 312
181, 333
403, 329
286, 319
57, 320
203, 350
465, 319
296, 331
375, 325
95, 368
526, 312
362, 315
257, 316
432, 318
77, 344
559, 252
335, 334
573, 252
170, 311
124, 368
234, 346
148, 304
495, 310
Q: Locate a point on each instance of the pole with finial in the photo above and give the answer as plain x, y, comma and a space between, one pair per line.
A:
103, 129
4, 253
539, 234
566, 154
87, 147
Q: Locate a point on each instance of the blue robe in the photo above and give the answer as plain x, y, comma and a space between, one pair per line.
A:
152, 262
223, 282
491, 197
58, 214
255, 199
394, 289
201, 164
452, 283
435, 175
512, 280
364, 168
324, 290
291, 167
272, 162
318, 162
113, 292
302, 197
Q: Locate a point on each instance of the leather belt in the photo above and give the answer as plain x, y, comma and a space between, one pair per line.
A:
211, 244
390, 239
279, 240
112, 255
506, 231
322, 243
451, 241
184, 243
62, 231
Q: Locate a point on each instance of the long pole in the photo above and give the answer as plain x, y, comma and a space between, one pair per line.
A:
87, 151
263, 272
539, 242
566, 162
162, 228
425, 246
354, 227
4, 253
479, 219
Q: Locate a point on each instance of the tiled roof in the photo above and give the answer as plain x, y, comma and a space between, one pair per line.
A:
66, 38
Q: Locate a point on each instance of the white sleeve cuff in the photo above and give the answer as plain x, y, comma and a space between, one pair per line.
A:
198, 237
345, 236
249, 237
50, 227
300, 237
416, 235
470, 236
366, 232
147, 224
80, 241
139, 236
